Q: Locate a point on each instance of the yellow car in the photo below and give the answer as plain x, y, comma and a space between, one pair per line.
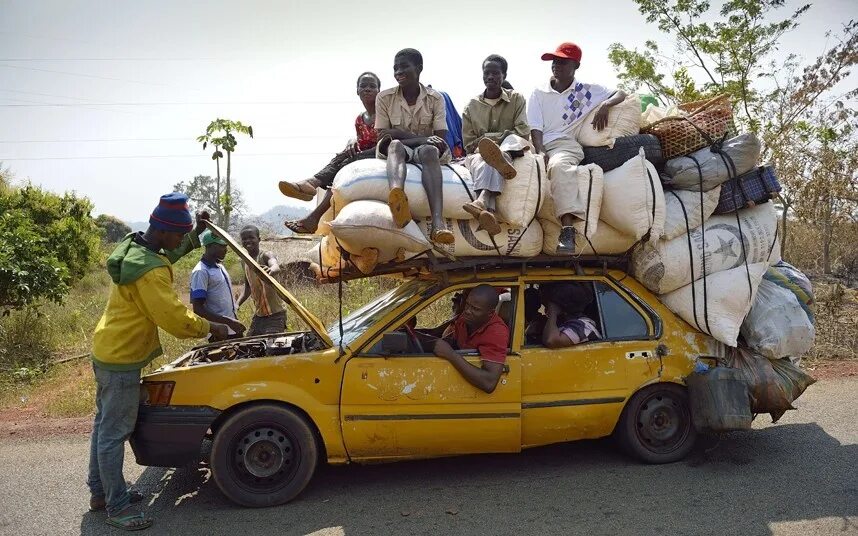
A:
275, 406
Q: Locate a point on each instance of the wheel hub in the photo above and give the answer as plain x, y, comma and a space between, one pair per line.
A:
659, 422
263, 452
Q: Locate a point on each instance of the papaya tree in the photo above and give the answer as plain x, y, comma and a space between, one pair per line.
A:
221, 134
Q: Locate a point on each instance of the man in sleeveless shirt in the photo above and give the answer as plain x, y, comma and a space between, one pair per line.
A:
270, 315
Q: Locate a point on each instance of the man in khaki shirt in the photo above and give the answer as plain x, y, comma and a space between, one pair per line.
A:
496, 116
411, 121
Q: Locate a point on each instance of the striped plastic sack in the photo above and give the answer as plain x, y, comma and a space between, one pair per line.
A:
791, 278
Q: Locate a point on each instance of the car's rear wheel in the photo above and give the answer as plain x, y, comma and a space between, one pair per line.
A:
264, 455
656, 426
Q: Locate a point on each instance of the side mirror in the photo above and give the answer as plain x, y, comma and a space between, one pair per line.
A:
394, 342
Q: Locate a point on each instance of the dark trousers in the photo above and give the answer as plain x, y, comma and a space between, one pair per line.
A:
338, 162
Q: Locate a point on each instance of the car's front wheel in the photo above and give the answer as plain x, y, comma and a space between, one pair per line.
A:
263, 455
656, 426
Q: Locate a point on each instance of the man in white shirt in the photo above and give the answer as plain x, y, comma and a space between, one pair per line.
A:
555, 113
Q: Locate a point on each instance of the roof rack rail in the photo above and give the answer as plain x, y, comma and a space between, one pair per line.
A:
441, 265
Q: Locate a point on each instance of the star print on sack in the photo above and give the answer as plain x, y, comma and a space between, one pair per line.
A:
726, 249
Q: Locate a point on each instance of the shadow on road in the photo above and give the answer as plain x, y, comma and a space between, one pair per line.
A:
741, 485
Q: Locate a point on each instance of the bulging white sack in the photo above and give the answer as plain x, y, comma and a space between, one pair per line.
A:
523, 195
665, 265
367, 180
682, 210
605, 241
624, 119
776, 326
633, 200
369, 224
512, 241
743, 151
719, 310
583, 195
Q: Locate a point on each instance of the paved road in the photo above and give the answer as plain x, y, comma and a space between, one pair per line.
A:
798, 477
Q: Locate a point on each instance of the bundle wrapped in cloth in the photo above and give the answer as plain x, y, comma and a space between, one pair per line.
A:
709, 167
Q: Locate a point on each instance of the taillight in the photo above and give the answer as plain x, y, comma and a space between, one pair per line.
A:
158, 393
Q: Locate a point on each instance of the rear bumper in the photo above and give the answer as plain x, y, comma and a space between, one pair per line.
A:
170, 436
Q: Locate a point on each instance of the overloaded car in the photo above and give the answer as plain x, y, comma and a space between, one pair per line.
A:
367, 390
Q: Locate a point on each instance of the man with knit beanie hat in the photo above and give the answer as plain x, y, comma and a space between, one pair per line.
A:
141, 300
555, 112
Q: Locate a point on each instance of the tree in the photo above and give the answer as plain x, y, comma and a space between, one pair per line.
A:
113, 228
47, 243
202, 190
220, 133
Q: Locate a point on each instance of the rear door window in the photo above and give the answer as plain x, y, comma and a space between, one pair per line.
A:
619, 319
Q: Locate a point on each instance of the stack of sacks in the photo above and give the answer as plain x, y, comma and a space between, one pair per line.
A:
705, 169
621, 207
359, 218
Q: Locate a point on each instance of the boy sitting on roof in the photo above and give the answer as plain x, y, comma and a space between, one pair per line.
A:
411, 121
554, 112
495, 117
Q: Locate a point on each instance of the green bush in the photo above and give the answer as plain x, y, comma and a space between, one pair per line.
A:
113, 228
47, 243
26, 346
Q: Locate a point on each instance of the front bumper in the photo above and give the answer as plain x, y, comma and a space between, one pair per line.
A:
170, 436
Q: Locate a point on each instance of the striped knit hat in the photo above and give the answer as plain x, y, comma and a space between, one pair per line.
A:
172, 214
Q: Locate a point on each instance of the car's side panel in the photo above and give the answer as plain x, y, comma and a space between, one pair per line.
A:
420, 406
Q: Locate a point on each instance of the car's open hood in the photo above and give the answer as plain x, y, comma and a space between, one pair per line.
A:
309, 318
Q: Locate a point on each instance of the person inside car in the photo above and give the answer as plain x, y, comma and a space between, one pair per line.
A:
478, 327
534, 321
567, 325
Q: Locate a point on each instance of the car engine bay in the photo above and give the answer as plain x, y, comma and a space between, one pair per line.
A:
252, 348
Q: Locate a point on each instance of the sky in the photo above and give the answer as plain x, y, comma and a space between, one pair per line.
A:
106, 98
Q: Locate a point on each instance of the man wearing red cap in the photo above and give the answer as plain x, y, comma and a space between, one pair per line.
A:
555, 113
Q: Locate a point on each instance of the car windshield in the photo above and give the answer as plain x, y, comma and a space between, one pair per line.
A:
359, 321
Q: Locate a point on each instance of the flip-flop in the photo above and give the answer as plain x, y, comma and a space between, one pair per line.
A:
474, 208
442, 236
489, 223
298, 227
398, 203
97, 503
131, 522
297, 190
493, 156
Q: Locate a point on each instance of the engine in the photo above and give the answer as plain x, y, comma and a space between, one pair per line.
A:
254, 348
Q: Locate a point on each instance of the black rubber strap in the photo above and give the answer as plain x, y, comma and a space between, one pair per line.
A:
703, 253
690, 255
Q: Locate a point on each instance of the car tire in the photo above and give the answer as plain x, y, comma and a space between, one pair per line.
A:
655, 426
264, 455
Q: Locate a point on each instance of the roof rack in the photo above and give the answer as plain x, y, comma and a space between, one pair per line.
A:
431, 263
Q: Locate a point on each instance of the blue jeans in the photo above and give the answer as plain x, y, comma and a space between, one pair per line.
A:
117, 398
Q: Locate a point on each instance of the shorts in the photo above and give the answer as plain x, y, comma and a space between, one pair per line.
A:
411, 152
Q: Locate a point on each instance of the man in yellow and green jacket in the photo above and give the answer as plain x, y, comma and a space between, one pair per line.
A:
141, 300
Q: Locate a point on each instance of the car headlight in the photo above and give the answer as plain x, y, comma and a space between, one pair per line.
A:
156, 393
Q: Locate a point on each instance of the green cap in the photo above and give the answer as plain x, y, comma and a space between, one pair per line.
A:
209, 237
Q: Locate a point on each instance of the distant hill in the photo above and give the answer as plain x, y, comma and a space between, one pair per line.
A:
137, 225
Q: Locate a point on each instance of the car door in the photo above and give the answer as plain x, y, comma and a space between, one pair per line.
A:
578, 392
415, 404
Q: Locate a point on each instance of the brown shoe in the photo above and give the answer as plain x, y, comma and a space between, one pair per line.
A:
493, 156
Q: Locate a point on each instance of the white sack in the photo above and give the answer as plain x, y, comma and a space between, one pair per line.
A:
743, 150
624, 119
523, 195
324, 252
675, 222
605, 241
728, 300
633, 200
655, 113
369, 224
367, 180
665, 265
585, 192
470, 242
777, 327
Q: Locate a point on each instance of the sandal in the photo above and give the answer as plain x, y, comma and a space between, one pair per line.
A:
474, 208
302, 190
398, 203
133, 521
98, 502
493, 156
489, 223
299, 227
442, 236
